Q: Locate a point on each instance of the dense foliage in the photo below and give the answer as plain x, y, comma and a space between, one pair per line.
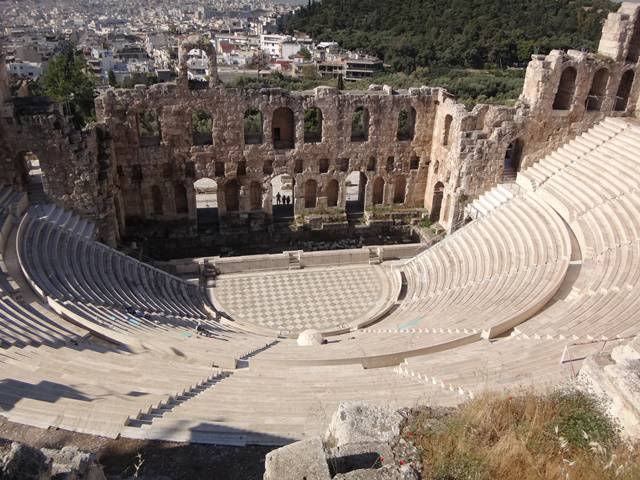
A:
68, 82
459, 33
470, 86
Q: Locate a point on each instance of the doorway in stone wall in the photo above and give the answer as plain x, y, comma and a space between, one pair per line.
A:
282, 198
206, 192
31, 172
356, 185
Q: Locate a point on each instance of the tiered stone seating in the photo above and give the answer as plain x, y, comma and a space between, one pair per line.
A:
483, 280
604, 213
89, 389
22, 323
557, 264
277, 406
62, 263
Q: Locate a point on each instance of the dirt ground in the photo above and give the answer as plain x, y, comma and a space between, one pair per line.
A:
156, 460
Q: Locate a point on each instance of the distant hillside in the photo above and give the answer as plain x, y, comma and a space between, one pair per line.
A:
459, 33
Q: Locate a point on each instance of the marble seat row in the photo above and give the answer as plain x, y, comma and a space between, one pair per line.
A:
599, 198
89, 389
68, 266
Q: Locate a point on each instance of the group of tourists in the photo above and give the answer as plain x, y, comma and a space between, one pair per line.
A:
283, 199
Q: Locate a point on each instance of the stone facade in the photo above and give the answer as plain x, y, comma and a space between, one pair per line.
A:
417, 148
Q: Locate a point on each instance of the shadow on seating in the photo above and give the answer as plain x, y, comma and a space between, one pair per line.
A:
12, 391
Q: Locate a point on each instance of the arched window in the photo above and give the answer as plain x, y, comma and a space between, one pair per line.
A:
148, 128
255, 196
232, 195
598, 90
252, 127
284, 128
378, 191
436, 203
310, 193
566, 89
332, 193
360, 125
157, 200
181, 201
447, 130
202, 128
312, 125
399, 188
624, 90
634, 45
371, 164
406, 124
323, 165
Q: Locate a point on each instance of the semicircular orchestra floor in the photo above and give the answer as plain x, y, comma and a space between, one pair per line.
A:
321, 298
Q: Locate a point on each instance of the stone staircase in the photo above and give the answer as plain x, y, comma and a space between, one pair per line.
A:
491, 200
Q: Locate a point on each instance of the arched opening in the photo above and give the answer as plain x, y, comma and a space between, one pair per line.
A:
312, 125
598, 90
206, 192
252, 127
360, 125
157, 200
634, 45
323, 165
436, 203
447, 130
255, 196
283, 128
566, 89
148, 128
512, 159
282, 198
371, 164
378, 191
624, 90
29, 176
356, 188
181, 201
399, 189
202, 128
406, 124
333, 190
310, 193
232, 195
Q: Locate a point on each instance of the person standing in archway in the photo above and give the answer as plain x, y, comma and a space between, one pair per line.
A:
278, 198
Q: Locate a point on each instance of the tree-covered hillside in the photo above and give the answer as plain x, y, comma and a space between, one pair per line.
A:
407, 34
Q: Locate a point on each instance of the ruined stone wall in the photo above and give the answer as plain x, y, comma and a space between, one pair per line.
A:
173, 160
115, 171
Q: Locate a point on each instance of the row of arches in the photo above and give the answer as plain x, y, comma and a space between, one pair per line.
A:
283, 127
205, 191
566, 91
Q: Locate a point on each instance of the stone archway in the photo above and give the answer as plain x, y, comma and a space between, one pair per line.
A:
378, 191
566, 89
436, 203
310, 193
232, 196
255, 195
283, 128
181, 200
598, 90
399, 189
624, 91
333, 191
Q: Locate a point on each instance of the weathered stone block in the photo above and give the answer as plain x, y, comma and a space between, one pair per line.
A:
303, 460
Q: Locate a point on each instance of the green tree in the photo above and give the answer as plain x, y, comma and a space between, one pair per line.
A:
305, 53
68, 81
